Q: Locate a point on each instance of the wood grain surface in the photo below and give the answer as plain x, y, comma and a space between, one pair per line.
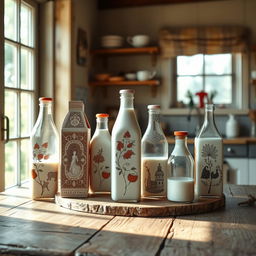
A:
145, 208
43, 228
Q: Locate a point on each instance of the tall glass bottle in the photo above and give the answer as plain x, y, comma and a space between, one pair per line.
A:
75, 141
180, 180
209, 157
154, 148
100, 148
126, 152
45, 153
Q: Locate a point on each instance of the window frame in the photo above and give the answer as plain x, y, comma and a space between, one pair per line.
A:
33, 47
168, 90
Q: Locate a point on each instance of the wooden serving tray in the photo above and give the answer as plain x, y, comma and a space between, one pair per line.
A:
147, 207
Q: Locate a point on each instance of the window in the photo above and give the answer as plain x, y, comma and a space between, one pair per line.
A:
214, 74
19, 85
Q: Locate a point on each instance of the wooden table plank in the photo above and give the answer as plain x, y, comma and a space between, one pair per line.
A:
226, 232
47, 229
128, 236
14, 197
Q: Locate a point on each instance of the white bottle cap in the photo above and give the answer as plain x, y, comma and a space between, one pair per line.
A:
127, 91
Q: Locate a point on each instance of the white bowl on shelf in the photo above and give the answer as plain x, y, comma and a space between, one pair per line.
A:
112, 41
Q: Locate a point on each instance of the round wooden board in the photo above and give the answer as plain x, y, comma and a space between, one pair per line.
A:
147, 207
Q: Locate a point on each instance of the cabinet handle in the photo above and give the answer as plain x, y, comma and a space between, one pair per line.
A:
230, 150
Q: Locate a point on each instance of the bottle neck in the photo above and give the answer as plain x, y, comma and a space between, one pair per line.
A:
126, 102
45, 112
180, 141
154, 120
102, 124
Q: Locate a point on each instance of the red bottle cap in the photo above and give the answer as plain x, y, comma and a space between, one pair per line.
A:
45, 99
180, 133
102, 115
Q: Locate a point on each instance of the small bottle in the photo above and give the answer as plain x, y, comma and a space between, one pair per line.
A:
232, 128
100, 148
209, 157
75, 141
154, 148
45, 153
126, 152
180, 181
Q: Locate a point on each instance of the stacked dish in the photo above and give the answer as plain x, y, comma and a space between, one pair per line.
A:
112, 41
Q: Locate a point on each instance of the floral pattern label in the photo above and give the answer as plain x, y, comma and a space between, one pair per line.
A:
100, 179
44, 174
209, 163
124, 162
74, 164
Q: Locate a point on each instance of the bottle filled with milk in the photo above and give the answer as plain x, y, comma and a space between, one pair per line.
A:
154, 148
209, 157
126, 152
180, 180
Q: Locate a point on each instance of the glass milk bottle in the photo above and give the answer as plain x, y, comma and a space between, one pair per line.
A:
209, 157
126, 152
75, 141
45, 153
180, 180
100, 148
154, 150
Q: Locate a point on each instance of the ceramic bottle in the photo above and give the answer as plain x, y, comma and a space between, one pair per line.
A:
75, 140
154, 148
232, 128
209, 157
180, 177
126, 152
45, 153
100, 151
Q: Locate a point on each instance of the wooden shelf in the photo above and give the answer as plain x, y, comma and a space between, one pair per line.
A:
123, 51
152, 83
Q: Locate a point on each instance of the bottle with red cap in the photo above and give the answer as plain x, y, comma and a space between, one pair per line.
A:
45, 153
180, 180
126, 152
100, 151
75, 162
154, 148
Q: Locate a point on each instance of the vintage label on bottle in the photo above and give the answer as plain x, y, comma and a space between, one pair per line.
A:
74, 164
208, 166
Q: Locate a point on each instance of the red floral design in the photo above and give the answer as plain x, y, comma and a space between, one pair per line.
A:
40, 156
45, 145
98, 159
128, 154
46, 157
120, 145
127, 135
36, 146
129, 145
34, 174
105, 175
132, 177
124, 167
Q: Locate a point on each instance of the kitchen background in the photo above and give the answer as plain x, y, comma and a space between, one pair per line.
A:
149, 20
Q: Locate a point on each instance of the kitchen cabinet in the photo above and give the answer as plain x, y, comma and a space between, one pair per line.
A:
106, 53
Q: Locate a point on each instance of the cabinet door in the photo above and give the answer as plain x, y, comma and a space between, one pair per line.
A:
236, 171
252, 171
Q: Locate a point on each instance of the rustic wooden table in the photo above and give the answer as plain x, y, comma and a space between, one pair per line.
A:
43, 228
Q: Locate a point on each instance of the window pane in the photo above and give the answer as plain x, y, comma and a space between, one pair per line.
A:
10, 19
190, 65
26, 113
24, 159
218, 64
10, 163
222, 85
10, 65
26, 69
26, 25
185, 84
10, 110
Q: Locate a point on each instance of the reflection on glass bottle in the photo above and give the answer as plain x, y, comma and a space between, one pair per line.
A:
209, 157
45, 153
154, 156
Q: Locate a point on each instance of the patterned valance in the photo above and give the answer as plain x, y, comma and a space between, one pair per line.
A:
208, 40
